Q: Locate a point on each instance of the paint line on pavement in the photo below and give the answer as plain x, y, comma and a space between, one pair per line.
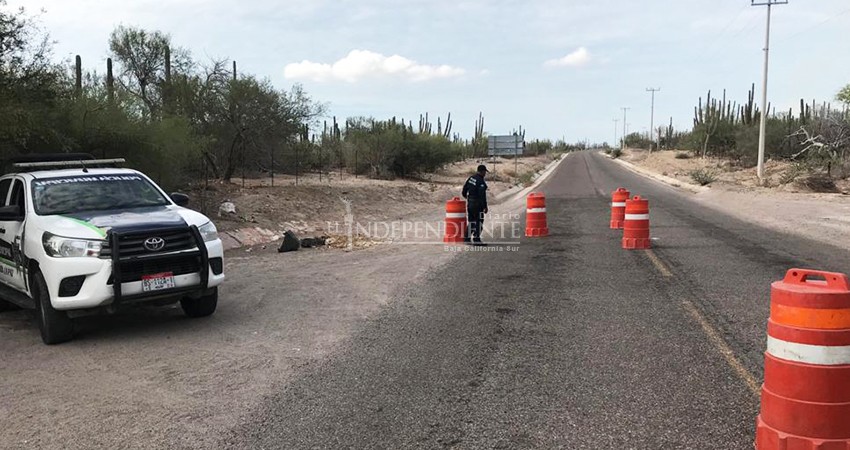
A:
656, 261
724, 349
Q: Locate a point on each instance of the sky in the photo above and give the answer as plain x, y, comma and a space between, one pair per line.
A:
561, 69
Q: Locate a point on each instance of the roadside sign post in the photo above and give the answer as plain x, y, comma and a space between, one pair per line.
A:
509, 145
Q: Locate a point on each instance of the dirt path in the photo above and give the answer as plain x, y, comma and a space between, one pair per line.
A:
159, 380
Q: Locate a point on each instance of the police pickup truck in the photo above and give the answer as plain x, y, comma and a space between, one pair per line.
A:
78, 235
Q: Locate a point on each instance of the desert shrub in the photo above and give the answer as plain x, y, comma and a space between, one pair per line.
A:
538, 147
637, 140
526, 178
792, 173
683, 155
703, 177
616, 153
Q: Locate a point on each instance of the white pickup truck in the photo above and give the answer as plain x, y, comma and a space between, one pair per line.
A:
78, 235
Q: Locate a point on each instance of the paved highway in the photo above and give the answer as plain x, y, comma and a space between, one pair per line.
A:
570, 342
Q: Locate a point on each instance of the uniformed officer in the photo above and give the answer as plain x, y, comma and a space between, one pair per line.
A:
475, 193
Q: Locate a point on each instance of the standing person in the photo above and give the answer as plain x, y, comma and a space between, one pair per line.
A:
475, 193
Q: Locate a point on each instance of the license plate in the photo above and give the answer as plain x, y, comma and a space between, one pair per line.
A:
158, 282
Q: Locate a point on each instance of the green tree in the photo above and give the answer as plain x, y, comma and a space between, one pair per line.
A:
844, 95
30, 86
146, 61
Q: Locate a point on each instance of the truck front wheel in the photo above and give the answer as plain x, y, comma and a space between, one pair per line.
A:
55, 326
202, 306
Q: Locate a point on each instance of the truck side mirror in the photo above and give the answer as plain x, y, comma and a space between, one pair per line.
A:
180, 199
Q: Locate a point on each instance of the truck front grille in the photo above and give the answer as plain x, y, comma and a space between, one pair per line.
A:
134, 244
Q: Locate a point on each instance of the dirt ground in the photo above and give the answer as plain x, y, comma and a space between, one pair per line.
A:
315, 206
780, 176
790, 208
152, 378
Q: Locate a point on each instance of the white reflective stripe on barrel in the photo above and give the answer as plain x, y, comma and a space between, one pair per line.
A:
535, 210
810, 354
618, 204
637, 216
455, 215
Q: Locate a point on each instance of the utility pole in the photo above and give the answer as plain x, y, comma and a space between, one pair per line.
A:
624, 126
652, 116
763, 123
616, 122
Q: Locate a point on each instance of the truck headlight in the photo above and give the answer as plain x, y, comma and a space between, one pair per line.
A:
208, 232
62, 247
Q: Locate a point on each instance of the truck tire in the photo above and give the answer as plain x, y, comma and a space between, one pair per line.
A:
201, 306
55, 326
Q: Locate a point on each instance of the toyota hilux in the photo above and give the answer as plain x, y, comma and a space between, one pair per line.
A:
80, 235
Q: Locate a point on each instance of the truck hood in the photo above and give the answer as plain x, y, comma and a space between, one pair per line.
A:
96, 224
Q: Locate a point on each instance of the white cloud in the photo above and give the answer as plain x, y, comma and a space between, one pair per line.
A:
360, 64
578, 58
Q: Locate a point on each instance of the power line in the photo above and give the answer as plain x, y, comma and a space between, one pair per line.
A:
805, 30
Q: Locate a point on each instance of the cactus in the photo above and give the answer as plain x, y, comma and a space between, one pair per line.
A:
110, 82
448, 130
78, 86
168, 65
709, 118
750, 111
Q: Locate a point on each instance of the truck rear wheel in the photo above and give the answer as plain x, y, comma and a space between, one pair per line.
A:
55, 326
202, 306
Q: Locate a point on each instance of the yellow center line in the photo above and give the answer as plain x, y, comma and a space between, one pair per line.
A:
659, 264
728, 354
713, 335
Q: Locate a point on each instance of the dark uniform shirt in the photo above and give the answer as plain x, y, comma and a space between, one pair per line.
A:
475, 190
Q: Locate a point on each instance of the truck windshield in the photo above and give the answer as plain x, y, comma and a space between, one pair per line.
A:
67, 195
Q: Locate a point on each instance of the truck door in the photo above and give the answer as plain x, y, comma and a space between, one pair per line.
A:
11, 258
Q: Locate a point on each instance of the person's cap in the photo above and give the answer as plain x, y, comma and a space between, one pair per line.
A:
482, 168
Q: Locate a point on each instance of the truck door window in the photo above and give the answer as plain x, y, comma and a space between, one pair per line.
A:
17, 195
4, 189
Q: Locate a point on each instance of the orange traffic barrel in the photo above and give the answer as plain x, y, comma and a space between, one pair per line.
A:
455, 221
535, 215
618, 207
805, 398
636, 224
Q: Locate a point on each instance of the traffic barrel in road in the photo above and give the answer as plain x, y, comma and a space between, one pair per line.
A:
535, 215
618, 207
805, 398
455, 221
636, 224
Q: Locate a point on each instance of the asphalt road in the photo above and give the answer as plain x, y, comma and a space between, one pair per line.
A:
569, 342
